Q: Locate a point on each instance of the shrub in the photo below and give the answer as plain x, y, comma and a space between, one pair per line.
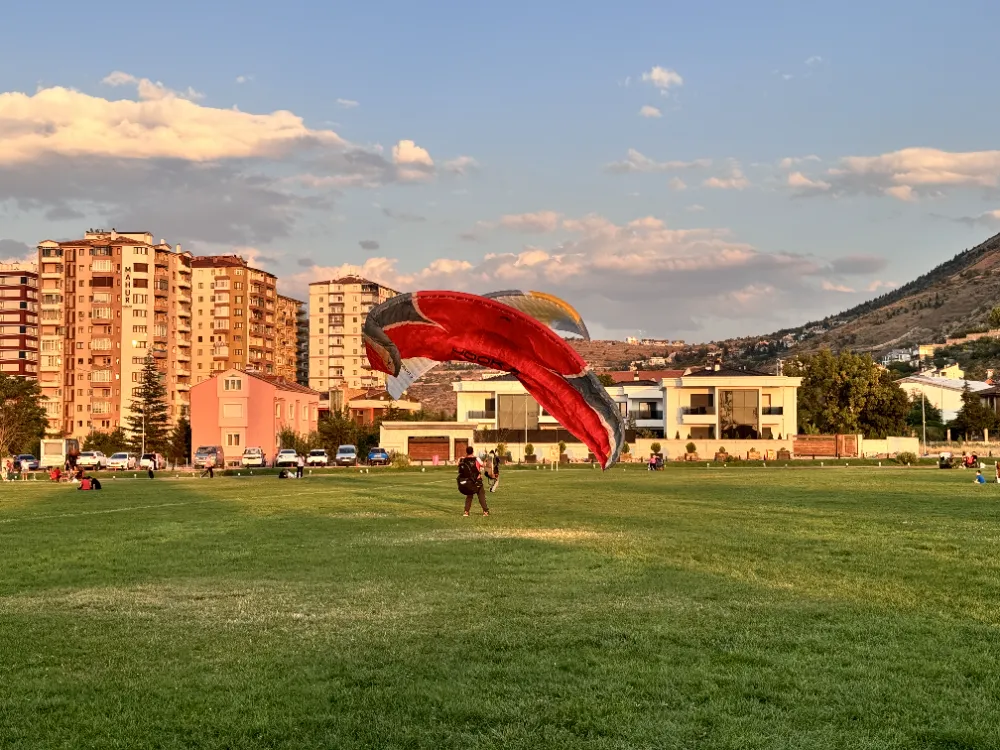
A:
399, 460
905, 457
722, 449
562, 447
690, 447
626, 450
656, 447
678, 435
529, 450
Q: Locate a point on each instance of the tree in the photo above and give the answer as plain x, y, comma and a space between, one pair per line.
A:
179, 442
149, 420
917, 416
606, 380
22, 417
847, 394
107, 443
994, 318
974, 417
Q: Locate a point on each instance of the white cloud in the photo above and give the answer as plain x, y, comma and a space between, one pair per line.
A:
829, 286
347, 103
148, 90
637, 162
649, 111
790, 161
802, 183
244, 79
195, 172
735, 180
663, 78
461, 165
912, 173
814, 60
677, 183
616, 274
694, 208
63, 122
877, 285
408, 152
538, 222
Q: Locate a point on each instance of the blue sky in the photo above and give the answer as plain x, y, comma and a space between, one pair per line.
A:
797, 159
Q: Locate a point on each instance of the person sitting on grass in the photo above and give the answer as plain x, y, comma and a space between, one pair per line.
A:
980, 479
55, 475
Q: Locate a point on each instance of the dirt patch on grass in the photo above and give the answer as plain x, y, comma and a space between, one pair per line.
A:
271, 605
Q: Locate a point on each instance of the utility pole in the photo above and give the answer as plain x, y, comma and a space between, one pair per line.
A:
923, 418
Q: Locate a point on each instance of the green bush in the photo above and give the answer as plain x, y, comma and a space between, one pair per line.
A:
399, 460
529, 450
655, 447
905, 457
691, 448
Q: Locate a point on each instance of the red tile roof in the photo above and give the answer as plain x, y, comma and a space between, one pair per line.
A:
218, 261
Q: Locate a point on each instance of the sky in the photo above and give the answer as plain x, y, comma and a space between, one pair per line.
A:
682, 170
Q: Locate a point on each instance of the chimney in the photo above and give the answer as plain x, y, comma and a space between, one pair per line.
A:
178, 248
114, 234
636, 375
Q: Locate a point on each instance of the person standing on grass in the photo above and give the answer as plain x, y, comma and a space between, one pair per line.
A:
209, 467
470, 481
300, 465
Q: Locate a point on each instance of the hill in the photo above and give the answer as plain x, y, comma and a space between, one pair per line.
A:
955, 297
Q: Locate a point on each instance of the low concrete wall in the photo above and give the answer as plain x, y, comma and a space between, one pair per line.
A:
889, 447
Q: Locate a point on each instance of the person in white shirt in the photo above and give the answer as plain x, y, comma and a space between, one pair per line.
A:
300, 465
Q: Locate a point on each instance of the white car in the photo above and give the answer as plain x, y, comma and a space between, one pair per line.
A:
92, 460
287, 457
152, 461
122, 461
317, 457
253, 457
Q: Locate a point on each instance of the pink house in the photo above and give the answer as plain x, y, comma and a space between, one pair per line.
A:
238, 409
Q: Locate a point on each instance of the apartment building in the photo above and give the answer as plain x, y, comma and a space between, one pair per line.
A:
19, 319
337, 310
107, 301
235, 318
290, 319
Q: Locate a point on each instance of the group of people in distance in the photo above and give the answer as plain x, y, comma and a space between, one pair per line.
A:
470, 478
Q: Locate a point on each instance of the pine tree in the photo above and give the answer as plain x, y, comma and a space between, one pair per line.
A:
149, 412
179, 442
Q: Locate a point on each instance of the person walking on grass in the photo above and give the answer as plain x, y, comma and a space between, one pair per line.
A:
493, 470
209, 467
470, 481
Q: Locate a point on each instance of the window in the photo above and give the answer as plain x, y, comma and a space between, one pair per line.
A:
233, 384
141, 267
233, 439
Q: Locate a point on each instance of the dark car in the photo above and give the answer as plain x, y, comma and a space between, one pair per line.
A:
27, 462
378, 457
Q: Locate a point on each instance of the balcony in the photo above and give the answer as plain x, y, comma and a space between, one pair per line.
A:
481, 415
186, 343
182, 372
184, 313
772, 411
697, 415
184, 386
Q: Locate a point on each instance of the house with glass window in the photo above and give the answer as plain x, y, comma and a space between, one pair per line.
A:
725, 403
694, 404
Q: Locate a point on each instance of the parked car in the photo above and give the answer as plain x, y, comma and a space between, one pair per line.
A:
347, 455
206, 452
27, 462
152, 461
318, 457
254, 457
92, 460
122, 461
378, 457
287, 457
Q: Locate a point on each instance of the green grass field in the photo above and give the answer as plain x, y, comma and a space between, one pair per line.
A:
702, 608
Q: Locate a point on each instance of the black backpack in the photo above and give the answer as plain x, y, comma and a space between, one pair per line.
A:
469, 480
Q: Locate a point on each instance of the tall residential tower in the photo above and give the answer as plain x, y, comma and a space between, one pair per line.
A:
337, 310
108, 301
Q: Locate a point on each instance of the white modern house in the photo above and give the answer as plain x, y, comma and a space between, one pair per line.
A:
697, 404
